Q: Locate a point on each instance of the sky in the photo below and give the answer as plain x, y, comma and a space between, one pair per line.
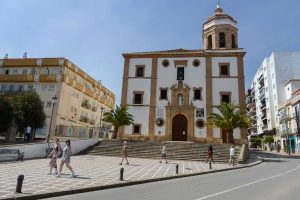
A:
93, 34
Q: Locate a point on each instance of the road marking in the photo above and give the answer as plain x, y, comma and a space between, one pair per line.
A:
238, 187
245, 185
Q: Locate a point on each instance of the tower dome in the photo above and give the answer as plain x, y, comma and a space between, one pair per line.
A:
220, 31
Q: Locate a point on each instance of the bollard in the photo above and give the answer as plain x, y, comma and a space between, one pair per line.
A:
121, 174
210, 165
177, 167
19, 183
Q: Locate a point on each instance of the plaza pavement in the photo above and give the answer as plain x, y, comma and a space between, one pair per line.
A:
92, 171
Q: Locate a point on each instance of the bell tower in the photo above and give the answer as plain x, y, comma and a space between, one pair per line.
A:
220, 31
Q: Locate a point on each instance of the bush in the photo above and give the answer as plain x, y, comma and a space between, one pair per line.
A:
269, 139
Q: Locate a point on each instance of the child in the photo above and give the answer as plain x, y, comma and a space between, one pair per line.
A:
55, 154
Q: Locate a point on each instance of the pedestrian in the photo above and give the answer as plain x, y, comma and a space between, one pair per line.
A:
28, 132
210, 153
163, 153
231, 154
65, 159
124, 153
55, 153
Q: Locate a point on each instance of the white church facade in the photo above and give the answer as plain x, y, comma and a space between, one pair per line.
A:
171, 93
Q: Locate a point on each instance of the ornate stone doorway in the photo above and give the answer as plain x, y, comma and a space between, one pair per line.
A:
179, 128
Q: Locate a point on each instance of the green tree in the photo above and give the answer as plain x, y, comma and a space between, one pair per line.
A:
229, 118
32, 111
6, 113
118, 117
23, 108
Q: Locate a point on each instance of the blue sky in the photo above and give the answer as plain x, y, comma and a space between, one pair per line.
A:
94, 33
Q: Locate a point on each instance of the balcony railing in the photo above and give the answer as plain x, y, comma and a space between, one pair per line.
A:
16, 78
94, 109
86, 105
84, 119
89, 92
47, 78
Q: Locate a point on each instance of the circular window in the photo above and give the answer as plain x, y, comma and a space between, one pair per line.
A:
160, 122
165, 63
200, 123
196, 63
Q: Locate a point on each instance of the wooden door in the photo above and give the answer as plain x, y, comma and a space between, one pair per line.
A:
179, 128
224, 136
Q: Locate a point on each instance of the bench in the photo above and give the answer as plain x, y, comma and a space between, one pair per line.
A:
12, 153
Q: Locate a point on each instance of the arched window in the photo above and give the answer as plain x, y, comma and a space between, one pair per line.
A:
209, 42
233, 42
222, 40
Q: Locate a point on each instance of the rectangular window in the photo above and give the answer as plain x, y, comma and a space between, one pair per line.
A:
15, 71
137, 129
6, 72
33, 71
3, 88
224, 69
197, 94
225, 97
138, 97
163, 94
180, 73
11, 88
49, 103
24, 71
30, 87
20, 88
51, 87
140, 70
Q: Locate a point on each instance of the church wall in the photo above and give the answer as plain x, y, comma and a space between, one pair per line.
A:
140, 116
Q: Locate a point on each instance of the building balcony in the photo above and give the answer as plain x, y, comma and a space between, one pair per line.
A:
84, 119
17, 78
94, 109
89, 92
86, 104
47, 78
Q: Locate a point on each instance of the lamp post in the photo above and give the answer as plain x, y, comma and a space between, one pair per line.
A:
284, 115
54, 99
101, 109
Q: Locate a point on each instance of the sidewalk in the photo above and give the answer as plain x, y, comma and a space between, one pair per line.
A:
93, 172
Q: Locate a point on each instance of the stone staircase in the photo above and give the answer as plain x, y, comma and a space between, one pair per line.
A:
175, 150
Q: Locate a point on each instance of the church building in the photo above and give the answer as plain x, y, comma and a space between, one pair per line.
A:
170, 93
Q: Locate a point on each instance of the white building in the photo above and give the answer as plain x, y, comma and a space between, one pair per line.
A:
171, 93
269, 87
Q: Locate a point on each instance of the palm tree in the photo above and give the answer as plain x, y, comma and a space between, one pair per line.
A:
118, 117
230, 118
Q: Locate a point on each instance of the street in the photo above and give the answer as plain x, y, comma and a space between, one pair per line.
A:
277, 178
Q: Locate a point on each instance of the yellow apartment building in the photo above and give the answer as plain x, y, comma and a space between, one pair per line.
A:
81, 100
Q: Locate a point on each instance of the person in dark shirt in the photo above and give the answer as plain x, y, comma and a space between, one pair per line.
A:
210, 153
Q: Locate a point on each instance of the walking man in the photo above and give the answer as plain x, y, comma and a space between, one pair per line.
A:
231, 153
163, 153
28, 132
210, 153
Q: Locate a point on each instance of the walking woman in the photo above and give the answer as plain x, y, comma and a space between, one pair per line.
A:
124, 153
66, 159
54, 155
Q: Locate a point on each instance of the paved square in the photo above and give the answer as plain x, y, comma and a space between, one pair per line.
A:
91, 170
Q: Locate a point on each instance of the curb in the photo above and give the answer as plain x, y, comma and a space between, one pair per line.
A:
97, 188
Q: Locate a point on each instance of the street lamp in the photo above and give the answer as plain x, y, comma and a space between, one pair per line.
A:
285, 118
54, 99
101, 119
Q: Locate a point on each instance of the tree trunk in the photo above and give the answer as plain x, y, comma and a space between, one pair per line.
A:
11, 132
230, 136
115, 133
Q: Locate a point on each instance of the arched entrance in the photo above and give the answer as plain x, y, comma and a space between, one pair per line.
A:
179, 128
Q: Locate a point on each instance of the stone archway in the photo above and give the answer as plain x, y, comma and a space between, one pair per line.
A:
179, 128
